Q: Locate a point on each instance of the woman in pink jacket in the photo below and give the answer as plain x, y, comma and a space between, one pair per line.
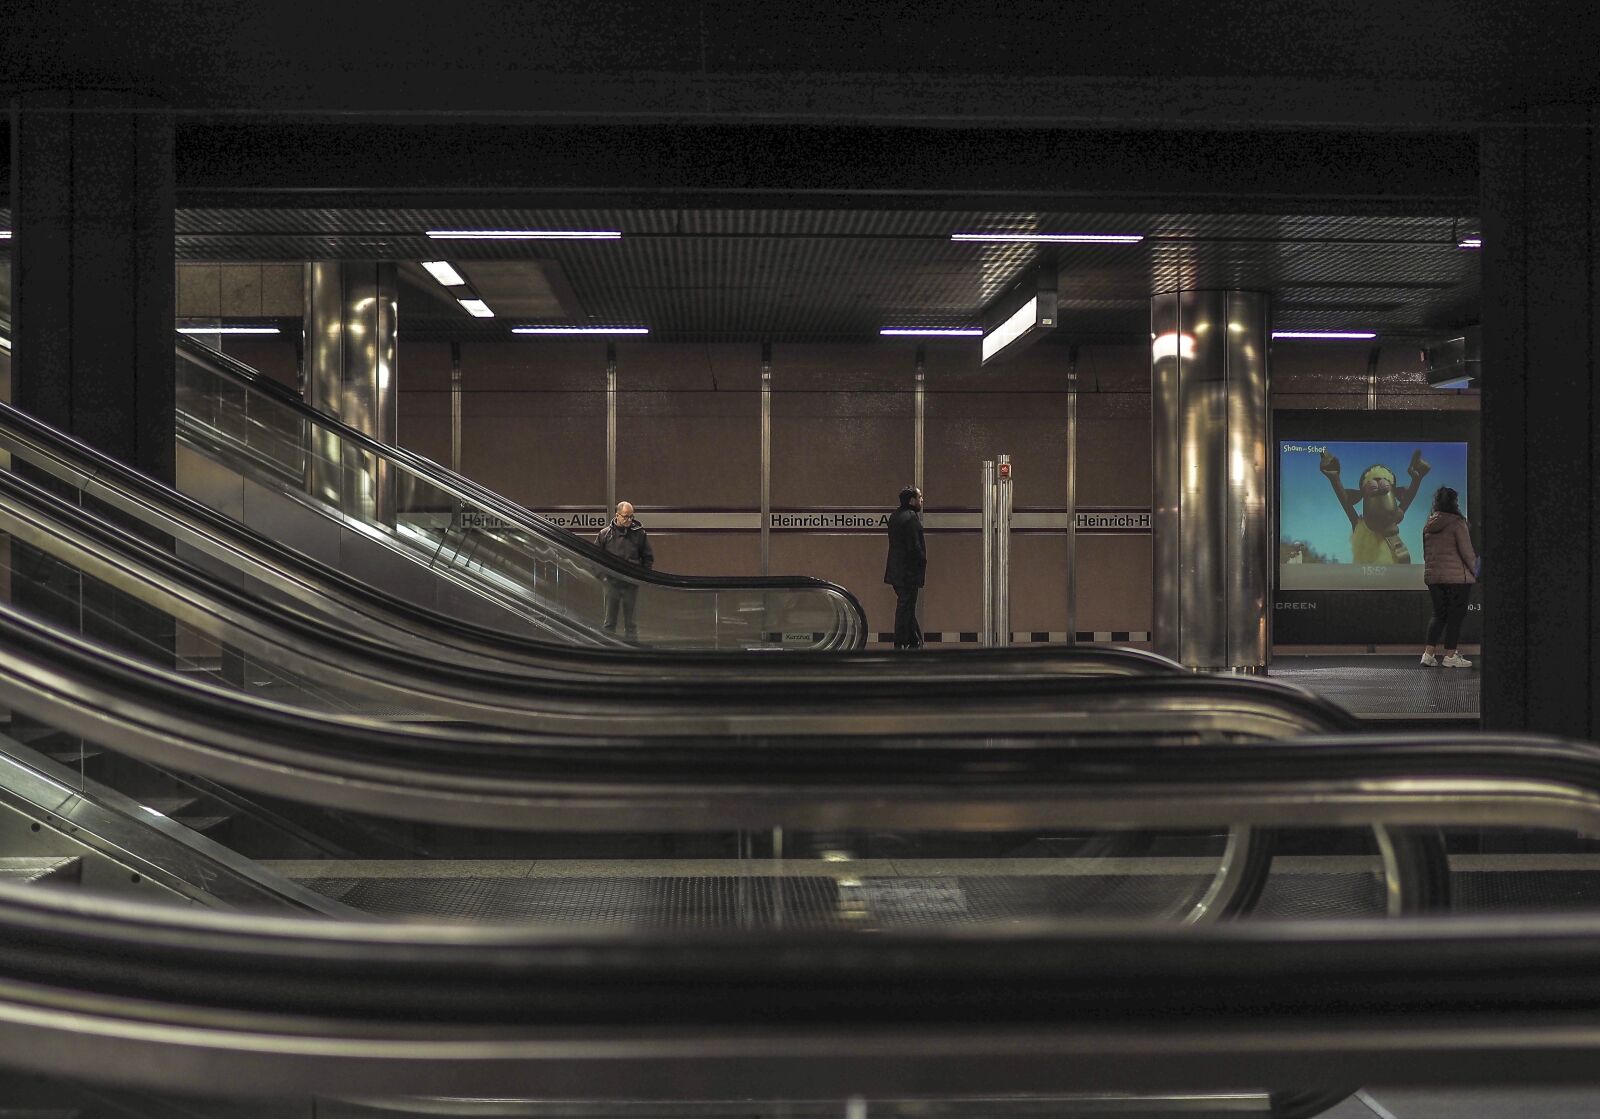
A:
1449, 567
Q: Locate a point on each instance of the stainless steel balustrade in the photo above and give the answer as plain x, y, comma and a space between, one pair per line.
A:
117, 993
319, 665
264, 567
253, 450
486, 777
237, 555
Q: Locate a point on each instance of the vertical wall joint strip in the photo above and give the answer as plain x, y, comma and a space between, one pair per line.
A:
766, 458
611, 428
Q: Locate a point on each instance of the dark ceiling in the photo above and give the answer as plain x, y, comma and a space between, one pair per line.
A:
815, 275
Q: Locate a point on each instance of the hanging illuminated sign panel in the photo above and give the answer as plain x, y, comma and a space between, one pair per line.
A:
1019, 319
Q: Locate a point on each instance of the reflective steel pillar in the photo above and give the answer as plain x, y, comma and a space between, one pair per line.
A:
351, 326
996, 551
1211, 423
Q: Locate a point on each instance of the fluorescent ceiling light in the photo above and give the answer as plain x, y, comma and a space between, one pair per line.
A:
229, 330
5, 234
1471, 243
477, 308
580, 330
1055, 238
440, 270
525, 234
919, 332
1326, 335
1025, 318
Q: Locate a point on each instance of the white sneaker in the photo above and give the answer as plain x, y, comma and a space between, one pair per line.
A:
1456, 660
1429, 660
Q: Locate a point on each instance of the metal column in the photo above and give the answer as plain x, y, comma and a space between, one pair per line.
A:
996, 551
919, 446
766, 458
1002, 549
1072, 497
351, 327
1210, 427
986, 636
611, 428
455, 406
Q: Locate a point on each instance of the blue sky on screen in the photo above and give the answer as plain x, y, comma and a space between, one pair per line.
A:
1309, 512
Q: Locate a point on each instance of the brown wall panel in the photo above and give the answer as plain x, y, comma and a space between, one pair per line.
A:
965, 428
705, 553
534, 420
855, 562
424, 399
1114, 450
842, 436
689, 426
1333, 375
841, 425
1114, 574
952, 602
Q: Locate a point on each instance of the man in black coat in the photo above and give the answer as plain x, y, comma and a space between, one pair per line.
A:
626, 539
906, 567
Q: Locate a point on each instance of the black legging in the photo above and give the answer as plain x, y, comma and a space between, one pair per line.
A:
1449, 611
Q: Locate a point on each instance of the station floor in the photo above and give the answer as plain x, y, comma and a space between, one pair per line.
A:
1383, 688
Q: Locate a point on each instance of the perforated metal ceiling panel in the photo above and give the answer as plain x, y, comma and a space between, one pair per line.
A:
810, 275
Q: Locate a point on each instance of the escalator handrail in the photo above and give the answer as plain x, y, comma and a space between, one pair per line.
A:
169, 511
513, 779
305, 641
463, 488
121, 993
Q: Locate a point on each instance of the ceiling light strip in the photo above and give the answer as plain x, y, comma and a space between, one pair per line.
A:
1326, 335
477, 308
1470, 243
580, 330
919, 332
525, 234
1054, 238
229, 330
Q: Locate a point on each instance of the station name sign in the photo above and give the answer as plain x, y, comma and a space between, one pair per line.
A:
1090, 521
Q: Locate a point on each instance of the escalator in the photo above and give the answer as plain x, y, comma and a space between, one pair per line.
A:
301, 658
114, 1003
252, 449
1143, 815
295, 583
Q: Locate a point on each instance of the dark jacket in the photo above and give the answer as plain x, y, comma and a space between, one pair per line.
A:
908, 553
630, 545
1447, 555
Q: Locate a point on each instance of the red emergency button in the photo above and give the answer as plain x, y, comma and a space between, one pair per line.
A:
1005, 470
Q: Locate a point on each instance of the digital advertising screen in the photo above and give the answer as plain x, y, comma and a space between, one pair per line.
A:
1350, 512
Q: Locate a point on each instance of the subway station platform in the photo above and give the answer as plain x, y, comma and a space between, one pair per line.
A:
1388, 689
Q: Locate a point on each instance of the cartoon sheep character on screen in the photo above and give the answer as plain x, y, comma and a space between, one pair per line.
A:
1376, 508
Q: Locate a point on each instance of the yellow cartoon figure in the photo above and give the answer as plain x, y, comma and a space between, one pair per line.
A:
1375, 529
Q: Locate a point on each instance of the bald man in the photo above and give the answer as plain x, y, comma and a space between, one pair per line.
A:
625, 539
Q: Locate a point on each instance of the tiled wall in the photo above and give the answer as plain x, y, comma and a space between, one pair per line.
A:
842, 436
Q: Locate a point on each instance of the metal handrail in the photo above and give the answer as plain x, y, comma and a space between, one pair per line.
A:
116, 992
475, 776
571, 702
353, 604
462, 488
